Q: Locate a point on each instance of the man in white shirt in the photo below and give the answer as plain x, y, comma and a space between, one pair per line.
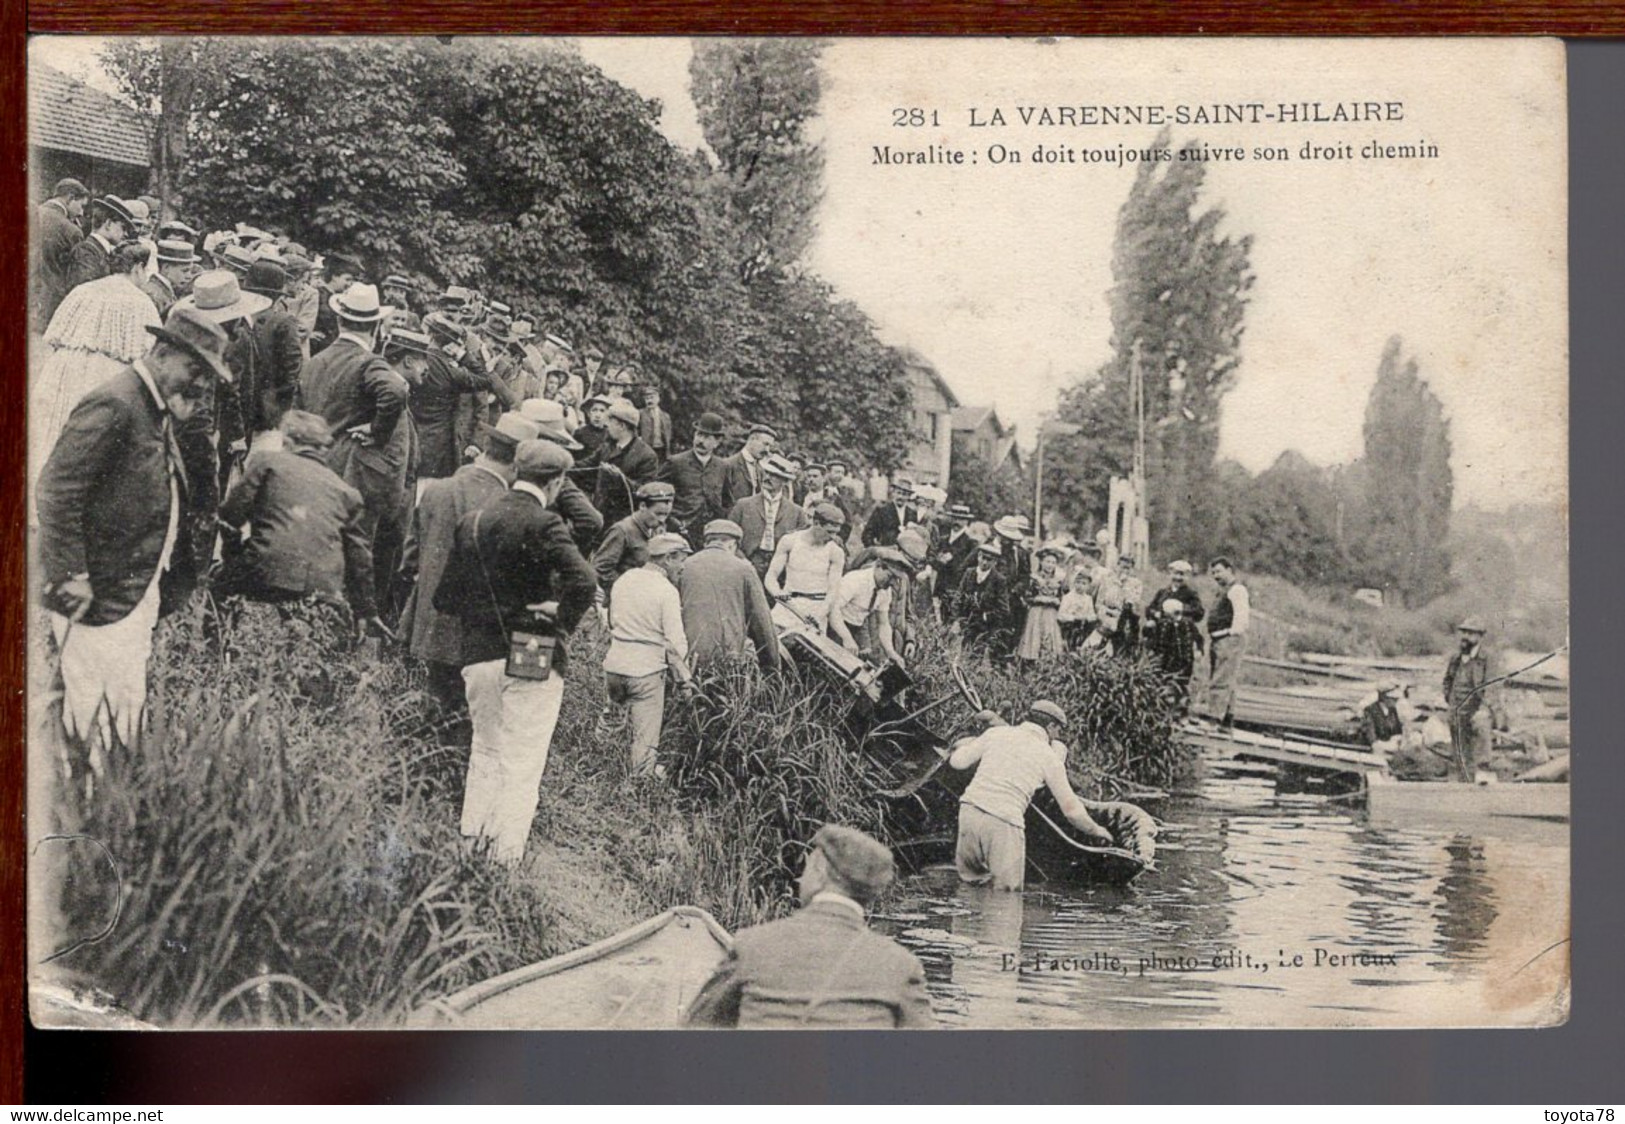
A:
865, 595
807, 565
645, 637
1227, 627
1012, 763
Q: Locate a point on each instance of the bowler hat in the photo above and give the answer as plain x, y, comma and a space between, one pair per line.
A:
860, 863
266, 278
195, 333
724, 528
710, 424
217, 295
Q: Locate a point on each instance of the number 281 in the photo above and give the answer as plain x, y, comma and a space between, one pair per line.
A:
913, 118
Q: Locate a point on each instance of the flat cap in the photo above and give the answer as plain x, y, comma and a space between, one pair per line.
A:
891, 556
761, 427
536, 459
622, 410
666, 542
1043, 708
860, 862
724, 527
1472, 624
656, 490
913, 545
829, 513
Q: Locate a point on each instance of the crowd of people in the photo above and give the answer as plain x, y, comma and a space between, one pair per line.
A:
437, 470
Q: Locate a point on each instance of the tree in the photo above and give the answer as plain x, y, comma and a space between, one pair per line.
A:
987, 490
1283, 521
1180, 292
1409, 486
755, 98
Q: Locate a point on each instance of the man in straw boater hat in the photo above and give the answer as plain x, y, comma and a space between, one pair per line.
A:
769, 515
364, 400
725, 610
1012, 763
1472, 698
111, 223
646, 640
111, 556
821, 968
178, 264
432, 636
520, 586
697, 474
956, 553
56, 233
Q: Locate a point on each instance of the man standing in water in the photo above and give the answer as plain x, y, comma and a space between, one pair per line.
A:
1012, 763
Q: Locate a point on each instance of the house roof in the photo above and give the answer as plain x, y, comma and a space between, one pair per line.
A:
971, 418
918, 362
69, 116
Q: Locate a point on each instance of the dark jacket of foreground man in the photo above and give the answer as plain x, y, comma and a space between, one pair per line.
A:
103, 501
819, 968
528, 557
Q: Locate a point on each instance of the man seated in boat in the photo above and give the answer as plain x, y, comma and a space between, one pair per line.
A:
1012, 763
1381, 727
821, 967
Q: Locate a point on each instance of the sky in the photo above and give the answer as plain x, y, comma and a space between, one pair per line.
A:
999, 273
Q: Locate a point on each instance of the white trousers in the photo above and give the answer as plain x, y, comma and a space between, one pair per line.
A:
513, 721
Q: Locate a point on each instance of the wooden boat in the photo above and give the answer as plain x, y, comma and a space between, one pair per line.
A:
643, 978
1057, 854
1529, 811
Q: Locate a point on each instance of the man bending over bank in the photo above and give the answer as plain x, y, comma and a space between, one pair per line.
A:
1012, 763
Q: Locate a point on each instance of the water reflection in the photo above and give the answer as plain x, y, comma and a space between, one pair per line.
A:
1267, 910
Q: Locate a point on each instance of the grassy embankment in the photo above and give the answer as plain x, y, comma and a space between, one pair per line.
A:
286, 836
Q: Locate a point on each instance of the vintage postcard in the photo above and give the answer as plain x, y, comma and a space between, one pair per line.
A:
628, 533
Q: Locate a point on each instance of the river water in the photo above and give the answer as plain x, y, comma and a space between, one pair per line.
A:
1265, 910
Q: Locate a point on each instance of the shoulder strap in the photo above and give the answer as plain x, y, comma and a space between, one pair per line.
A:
479, 557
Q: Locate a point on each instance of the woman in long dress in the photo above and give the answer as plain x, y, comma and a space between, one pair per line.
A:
99, 329
1042, 636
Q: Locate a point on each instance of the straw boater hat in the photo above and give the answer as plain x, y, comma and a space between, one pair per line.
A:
218, 296
115, 208
175, 251
405, 339
195, 333
777, 466
359, 303
960, 512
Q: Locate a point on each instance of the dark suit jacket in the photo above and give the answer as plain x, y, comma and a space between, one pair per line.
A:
88, 262
103, 500
736, 482
882, 526
818, 968
267, 360
983, 607
637, 461
751, 515
55, 237
699, 489
430, 634
351, 386
524, 555
953, 559
305, 529
434, 403
163, 297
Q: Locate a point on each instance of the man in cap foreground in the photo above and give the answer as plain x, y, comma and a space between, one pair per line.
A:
1012, 763
821, 967
725, 610
110, 498
432, 636
646, 638
1472, 700
519, 585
